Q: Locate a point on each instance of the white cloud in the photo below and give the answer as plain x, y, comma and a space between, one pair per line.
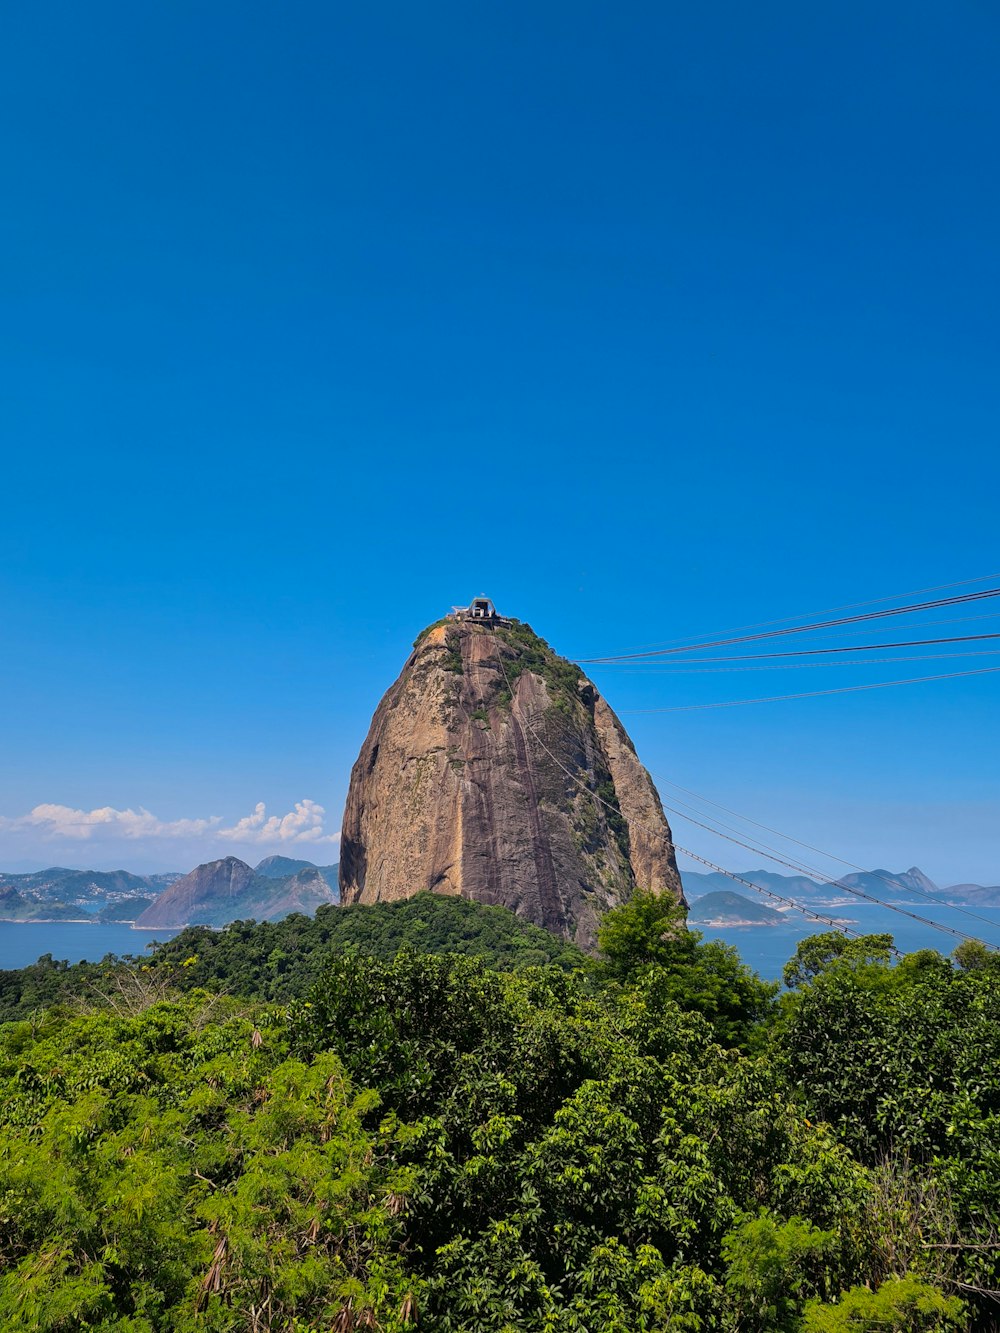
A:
61, 821
304, 824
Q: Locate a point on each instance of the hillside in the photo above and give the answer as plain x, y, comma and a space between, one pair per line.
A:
229, 890
495, 771
215, 894
380, 1135
278, 960
63, 894
15, 906
725, 908
973, 895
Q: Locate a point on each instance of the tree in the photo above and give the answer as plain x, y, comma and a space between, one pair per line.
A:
648, 933
163, 1170
816, 953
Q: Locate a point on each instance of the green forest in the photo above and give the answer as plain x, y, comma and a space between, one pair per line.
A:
430, 1115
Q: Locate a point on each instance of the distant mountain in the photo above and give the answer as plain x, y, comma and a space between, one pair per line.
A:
162, 881
201, 895
62, 894
907, 883
722, 907
125, 912
304, 891
229, 890
212, 894
697, 884
280, 867
15, 906
890, 886
973, 895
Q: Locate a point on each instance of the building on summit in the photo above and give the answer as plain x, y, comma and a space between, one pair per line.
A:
480, 609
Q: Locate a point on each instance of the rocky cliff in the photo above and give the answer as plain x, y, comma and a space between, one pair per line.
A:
493, 770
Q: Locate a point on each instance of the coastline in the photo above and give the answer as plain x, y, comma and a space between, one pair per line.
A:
75, 921
54, 921
724, 923
86, 921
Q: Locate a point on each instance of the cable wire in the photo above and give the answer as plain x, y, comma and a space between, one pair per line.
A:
940, 902
842, 926
848, 606
758, 851
682, 668
815, 694
847, 648
857, 893
802, 629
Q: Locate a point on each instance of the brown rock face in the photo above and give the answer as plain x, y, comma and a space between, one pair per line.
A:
480, 779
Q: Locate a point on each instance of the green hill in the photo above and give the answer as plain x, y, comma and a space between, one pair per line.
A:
724, 906
279, 960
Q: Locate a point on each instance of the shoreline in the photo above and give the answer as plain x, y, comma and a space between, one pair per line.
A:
718, 924
75, 921
57, 921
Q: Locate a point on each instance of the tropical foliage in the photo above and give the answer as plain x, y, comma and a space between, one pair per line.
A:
280, 960
652, 1142
176, 1169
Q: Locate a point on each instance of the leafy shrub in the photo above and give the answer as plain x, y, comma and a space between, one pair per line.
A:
160, 1172
653, 1142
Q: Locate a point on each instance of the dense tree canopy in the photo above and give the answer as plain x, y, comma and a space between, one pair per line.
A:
176, 1169
478, 1144
279, 960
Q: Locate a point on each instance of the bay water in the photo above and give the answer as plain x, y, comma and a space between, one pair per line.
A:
22, 942
764, 948
767, 948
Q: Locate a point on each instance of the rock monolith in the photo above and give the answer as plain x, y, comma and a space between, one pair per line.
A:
493, 769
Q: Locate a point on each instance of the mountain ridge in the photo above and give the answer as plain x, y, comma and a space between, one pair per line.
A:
276, 886
879, 883
722, 907
228, 889
63, 893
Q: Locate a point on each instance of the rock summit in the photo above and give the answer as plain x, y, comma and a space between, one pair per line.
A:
493, 769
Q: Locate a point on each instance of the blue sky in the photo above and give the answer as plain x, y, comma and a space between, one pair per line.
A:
647, 320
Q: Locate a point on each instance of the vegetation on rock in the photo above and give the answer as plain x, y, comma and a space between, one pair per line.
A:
533, 654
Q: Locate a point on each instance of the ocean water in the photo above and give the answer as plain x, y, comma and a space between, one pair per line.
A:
765, 948
22, 942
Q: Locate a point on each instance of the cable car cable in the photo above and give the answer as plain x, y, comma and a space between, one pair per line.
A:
846, 648
682, 669
841, 926
848, 606
940, 902
595, 796
800, 629
815, 694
